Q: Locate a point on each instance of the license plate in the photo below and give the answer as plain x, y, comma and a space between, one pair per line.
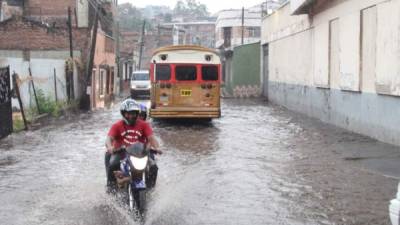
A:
139, 184
186, 92
164, 98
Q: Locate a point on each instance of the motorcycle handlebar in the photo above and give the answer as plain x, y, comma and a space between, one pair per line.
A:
155, 152
149, 150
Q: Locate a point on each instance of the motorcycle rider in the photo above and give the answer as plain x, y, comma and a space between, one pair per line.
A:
126, 132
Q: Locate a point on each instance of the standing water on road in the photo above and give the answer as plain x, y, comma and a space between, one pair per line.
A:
258, 164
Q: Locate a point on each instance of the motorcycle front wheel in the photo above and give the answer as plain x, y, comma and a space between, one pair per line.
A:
140, 200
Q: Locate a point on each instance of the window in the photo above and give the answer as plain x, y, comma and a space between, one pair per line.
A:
163, 72
184, 73
109, 45
112, 80
227, 36
26, 55
254, 31
140, 76
209, 73
101, 83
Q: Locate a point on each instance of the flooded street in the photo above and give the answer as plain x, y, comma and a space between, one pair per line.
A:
258, 164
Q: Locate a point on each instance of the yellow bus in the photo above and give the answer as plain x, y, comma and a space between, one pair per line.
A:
185, 82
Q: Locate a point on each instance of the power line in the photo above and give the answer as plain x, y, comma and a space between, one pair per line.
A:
104, 19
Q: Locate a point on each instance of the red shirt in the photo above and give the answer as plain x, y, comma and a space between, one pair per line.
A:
127, 134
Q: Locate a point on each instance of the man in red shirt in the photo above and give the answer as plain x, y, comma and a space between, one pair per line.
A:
124, 133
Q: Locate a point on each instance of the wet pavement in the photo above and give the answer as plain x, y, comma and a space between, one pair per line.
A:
258, 164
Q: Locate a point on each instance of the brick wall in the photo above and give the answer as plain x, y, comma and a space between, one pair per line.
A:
49, 7
102, 55
128, 41
19, 33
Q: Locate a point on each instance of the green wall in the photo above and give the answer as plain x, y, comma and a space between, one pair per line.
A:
245, 80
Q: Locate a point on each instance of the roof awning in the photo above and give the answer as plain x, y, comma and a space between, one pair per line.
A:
300, 6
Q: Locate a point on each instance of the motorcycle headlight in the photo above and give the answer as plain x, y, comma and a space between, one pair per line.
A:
139, 163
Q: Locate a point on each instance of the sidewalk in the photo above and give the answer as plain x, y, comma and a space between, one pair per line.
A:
364, 152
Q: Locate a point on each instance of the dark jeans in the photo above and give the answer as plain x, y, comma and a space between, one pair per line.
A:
112, 163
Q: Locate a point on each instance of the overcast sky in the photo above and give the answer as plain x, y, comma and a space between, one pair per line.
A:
213, 6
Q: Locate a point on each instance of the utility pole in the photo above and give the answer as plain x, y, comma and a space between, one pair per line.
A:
85, 101
118, 60
141, 45
118, 50
158, 35
71, 54
242, 24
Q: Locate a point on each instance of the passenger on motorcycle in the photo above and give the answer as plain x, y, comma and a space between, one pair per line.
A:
143, 112
126, 132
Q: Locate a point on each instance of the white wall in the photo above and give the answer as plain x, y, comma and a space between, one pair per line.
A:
388, 48
350, 48
290, 47
291, 60
296, 4
82, 12
281, 24
363, 66
42, 64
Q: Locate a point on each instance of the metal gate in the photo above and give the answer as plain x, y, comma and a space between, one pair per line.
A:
6, 124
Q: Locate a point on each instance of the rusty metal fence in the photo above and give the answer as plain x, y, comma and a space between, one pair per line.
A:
6, 124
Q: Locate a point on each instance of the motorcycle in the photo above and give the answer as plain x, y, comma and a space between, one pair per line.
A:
137, 174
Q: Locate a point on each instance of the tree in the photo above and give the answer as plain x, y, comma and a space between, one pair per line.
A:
130, 17
167, 17
191, 9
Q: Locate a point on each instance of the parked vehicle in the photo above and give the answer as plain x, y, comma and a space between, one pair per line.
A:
137, 174
394, 209
140, 83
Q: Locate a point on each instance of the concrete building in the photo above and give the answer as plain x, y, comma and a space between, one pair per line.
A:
228, 27
34, 35
193, 33
129, 42
337, 61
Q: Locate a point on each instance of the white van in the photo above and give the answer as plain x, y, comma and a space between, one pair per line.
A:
140, 83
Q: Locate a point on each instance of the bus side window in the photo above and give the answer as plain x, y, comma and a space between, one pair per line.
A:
163, 72
209, 73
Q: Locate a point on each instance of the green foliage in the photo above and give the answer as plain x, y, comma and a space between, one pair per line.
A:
18, 124
130, 17
191, 9
48, 105
167, 17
